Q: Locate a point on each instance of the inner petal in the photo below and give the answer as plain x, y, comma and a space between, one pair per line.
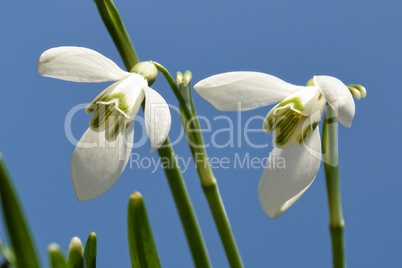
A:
117, 105
116, 126
286, 126
295, 118
101, 114
109, 116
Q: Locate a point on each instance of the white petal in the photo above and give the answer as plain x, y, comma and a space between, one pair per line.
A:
282, 185
252, 89
97, 164
78, 64
157, 117
338, 96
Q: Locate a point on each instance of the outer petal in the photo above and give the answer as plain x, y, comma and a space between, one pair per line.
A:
157, 117
97, 164
282, 185
338, 96
251, 89
78, 64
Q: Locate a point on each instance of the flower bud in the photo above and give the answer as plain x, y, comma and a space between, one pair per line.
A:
187, 78
357, 91
179, 78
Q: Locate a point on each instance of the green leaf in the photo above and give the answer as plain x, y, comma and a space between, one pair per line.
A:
17, 226
90, 251
75, 254
56, 257
143, 252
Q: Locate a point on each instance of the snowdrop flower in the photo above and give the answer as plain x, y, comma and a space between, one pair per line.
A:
103, 151
294, 120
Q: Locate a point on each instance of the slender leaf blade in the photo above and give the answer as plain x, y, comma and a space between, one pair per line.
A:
143, 251
17, 226
56, 257
90, 251
75, 254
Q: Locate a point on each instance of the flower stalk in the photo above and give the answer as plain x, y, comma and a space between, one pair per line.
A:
184, 207
115, 26
330, 150
209, 184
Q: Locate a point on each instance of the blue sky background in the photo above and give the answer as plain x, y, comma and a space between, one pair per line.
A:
357, 41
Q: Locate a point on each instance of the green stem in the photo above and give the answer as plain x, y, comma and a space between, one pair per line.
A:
211, 190
330, 150
208, 181
222, 223
114, 24
184, 206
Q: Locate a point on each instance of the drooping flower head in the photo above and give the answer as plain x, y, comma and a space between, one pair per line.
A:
103, 151
294, 120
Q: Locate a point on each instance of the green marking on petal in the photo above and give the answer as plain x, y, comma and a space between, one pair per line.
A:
110, 112
112, 132
288, 117
91, 108
285, 122
283, 118
283, 134
296, 103
306, 132
120, 98
101, 115
94, 123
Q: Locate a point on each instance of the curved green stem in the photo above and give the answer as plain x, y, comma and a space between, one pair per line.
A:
208, 181
174, 88
184, 206
330, 150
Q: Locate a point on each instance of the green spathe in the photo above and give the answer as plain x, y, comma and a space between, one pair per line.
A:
146, 69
